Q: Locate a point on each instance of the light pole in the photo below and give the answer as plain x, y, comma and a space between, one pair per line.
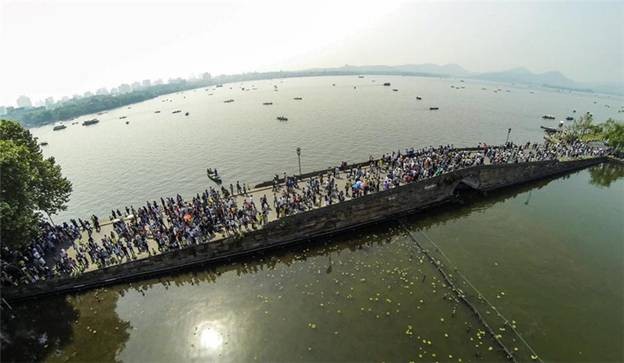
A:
299, 157
508, 132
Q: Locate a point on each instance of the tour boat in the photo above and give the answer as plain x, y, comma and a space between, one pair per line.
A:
395, 90
267, 103
177, 111
156, 111
298, 98
569, 118
418, 98
434, 108
228, 101
59, 127
387, 84
90, 122
548, 117
282, 118
43, 143
123, 117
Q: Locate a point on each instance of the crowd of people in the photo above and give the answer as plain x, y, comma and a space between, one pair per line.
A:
175, 223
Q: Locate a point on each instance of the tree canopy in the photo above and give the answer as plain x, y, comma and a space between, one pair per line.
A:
29, 185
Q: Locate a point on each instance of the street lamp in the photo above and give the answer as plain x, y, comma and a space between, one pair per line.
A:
299, 157
508, 132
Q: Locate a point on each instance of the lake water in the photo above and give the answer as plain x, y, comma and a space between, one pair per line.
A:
114, 164
549, 256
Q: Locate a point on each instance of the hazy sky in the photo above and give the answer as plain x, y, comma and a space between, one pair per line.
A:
54, 48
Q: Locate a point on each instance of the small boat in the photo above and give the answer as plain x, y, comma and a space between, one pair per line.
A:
549, 130
418, 98
434, 108
267, 103
157, 111
548, 117
177, 111
90, 122
43, 143
298, 98
74, 123
387, 84
219, 85
186, 114
395, 90
127, 122
333, 85
570, 118
214, 175
123, 117
59, 127
360, 76
282, 118
228, 101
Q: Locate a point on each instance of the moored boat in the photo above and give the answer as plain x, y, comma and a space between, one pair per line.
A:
434, 108
387, 84
59, 126
267, 103
214, 175
548, 117
282, 118
90, 122
298, 98
177, 111
228, 101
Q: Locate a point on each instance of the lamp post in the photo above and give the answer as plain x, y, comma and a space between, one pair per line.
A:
299, 157
508, 132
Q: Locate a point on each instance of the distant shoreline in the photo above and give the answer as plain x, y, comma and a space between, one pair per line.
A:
40, 116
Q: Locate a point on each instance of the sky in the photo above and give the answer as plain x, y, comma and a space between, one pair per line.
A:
60, 48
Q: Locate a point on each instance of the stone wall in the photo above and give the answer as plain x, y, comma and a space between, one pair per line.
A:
312, 224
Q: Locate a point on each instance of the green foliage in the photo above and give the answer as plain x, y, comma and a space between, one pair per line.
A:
584, 128
29, 184
74, 108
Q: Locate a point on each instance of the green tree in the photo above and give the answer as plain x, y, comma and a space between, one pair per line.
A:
29, 185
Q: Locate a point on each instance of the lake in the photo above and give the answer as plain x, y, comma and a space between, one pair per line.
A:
548, 255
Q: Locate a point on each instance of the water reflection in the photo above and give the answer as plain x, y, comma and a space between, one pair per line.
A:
605, 174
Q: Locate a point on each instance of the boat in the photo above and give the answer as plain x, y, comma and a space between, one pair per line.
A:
298, 98
267, 103
90, 122
59, 127
228, 101
127, 122
177, 111
186, 114
434, 108
550, 130
570, 118
43, 143
395, 90
548, 117
156, 111
360, 76
214, 175
387, 84
219, 85
282, 118
123, 117
418, 98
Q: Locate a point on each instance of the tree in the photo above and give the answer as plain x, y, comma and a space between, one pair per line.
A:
29, 184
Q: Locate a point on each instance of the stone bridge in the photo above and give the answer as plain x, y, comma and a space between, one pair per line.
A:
312, 224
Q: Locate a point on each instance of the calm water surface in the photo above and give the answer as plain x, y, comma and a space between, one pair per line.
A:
549, 256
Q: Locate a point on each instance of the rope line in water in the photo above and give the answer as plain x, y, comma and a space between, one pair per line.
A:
510, 355
498, 313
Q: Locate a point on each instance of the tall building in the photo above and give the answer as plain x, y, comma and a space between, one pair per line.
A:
23, 101
124, 88
49, 102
